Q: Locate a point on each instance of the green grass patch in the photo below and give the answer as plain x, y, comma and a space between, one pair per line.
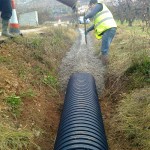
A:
14, 102
4, 59
50, 80
139, 72
137, 27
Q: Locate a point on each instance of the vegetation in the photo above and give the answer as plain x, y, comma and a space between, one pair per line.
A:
139, 72
126, 93
133, 112
13, 139
14, 102
131, 10
127, 89
29, 88
50, 80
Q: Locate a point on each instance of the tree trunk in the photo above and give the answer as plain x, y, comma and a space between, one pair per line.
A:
130, 21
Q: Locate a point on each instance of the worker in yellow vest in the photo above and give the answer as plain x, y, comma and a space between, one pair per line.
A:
104, 26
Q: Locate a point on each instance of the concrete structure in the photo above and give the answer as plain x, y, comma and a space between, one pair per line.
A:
29, 19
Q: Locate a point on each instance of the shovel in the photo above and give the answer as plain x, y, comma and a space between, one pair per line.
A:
85, 29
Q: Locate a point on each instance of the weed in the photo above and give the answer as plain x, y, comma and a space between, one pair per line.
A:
28, 94
3, 59
22, 72
50, 80
35, 42
39, 70
14, 102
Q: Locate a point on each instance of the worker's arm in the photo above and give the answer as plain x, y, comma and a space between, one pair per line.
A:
94, 11
89, 29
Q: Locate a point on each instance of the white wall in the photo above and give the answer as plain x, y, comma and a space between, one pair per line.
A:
29, 19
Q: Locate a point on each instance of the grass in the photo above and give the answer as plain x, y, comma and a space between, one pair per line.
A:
28, 94
130, 60
127, 89
15, 103
14, 139
127, 45
48, 47
133, 118
4, 59
138, 28
139, 72
50, 80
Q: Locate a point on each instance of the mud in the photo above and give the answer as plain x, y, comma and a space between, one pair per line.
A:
81, 58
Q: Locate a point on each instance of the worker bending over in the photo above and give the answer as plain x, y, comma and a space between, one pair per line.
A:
104, 26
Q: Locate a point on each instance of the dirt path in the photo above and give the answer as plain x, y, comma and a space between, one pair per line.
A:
81, 58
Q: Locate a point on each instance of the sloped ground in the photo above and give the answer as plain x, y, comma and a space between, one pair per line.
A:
30, 101
39, 111
81, 58
129, 52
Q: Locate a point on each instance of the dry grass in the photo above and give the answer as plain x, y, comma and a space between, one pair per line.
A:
12, 139
133, 118
129, 43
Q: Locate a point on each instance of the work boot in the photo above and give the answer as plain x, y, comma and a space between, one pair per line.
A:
5, 29
104, 59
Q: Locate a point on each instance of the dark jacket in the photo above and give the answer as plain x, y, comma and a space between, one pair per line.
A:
92, 13
6, 9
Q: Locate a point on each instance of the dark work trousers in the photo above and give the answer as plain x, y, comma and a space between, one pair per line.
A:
6, 9
107, 38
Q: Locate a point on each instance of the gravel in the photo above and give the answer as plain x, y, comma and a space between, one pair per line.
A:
81, 58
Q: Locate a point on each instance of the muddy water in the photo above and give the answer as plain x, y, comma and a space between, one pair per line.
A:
81, 58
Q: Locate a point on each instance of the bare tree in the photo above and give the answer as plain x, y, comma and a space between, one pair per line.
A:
146, 12
130, 10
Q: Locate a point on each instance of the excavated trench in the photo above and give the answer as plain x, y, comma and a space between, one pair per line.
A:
81, 58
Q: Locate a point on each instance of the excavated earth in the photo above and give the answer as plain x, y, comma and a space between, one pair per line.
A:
81, 58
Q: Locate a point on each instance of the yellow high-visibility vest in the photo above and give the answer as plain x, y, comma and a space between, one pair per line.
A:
103, 21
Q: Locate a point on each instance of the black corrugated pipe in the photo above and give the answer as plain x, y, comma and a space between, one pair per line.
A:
81, 125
